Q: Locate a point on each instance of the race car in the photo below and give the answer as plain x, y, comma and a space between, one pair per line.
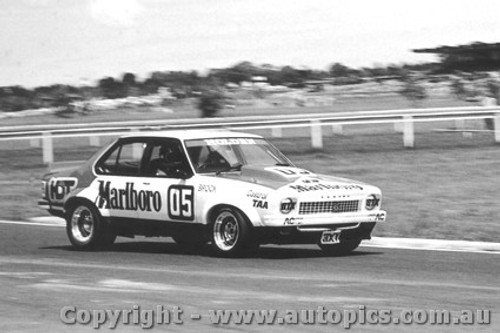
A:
231, 190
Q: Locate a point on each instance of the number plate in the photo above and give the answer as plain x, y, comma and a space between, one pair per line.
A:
330, 237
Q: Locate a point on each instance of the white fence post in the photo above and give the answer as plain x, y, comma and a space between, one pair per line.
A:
496, 127
337, 129
47, 148
316, 134
94, 141
408, 132
276, 132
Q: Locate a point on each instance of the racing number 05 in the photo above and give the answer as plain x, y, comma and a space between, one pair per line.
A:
180, 202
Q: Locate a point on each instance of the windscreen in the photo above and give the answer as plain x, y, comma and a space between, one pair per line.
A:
224, 154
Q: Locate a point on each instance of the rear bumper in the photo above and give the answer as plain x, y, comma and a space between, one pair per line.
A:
53, 209
44, 204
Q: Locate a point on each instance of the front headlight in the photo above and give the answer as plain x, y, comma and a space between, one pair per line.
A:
372, 201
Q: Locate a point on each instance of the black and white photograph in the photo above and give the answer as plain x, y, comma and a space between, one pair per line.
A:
249, 166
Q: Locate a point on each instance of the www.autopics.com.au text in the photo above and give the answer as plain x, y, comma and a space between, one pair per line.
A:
345, 317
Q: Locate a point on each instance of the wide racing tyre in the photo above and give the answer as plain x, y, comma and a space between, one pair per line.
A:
341, 249
230, 233
86, 229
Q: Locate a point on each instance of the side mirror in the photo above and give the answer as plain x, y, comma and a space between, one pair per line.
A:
182, 174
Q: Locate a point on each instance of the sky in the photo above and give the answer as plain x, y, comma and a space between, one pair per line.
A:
44, 42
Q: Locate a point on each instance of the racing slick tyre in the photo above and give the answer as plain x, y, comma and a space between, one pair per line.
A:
341, 249
86, 229
230, 233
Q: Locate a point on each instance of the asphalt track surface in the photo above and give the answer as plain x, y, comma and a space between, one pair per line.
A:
40, 274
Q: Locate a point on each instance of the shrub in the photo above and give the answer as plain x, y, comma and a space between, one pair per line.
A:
413, 91
210, 102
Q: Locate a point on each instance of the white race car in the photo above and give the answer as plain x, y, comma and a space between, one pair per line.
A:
232, 190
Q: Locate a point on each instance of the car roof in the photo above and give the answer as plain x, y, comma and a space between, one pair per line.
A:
193, 134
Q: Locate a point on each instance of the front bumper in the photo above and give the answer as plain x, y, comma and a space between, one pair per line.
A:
296, 235
305, 221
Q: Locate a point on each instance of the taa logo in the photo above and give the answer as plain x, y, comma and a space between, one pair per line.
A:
180, 202
260, 204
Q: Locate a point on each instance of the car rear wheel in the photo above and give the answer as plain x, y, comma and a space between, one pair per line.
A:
230, 233
340, 249
86, 230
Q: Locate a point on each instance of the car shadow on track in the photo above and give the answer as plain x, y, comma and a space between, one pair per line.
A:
130, 247
264, 252
296, 253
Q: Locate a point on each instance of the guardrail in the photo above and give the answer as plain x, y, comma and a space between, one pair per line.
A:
403, 121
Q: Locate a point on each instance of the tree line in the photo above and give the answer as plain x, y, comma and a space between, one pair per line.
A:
186, 84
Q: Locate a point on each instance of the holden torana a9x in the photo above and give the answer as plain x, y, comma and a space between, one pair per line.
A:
231, 190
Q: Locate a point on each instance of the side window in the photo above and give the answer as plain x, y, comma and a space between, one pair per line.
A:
167, 160
156, 152
207, 159
198, 155
124, 160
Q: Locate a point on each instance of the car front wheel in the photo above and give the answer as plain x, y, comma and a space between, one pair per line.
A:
86, 230
230, 233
